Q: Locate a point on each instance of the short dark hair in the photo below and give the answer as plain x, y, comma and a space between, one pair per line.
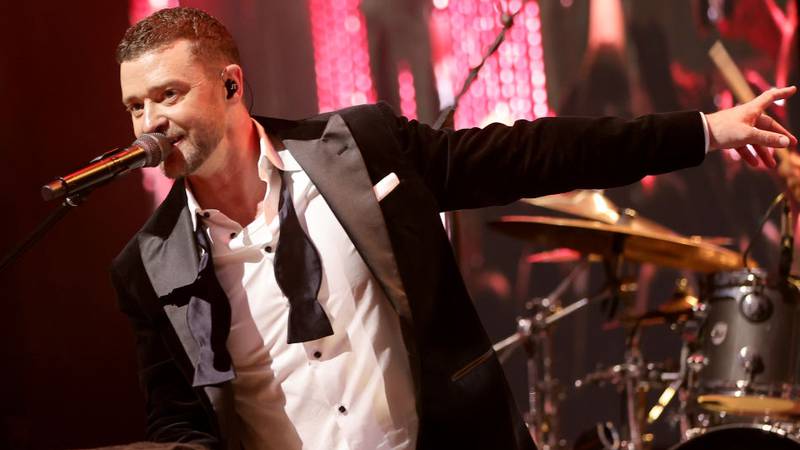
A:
211, 40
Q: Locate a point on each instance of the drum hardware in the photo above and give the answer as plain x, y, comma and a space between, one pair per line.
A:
633, 378
741, 436
674, 387
634, 390
734, 378
617, 244
534, 335
685, 303
604, 436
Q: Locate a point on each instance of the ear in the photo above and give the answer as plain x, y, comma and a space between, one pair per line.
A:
234, 73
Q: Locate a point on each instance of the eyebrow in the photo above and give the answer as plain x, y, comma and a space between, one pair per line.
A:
161, 86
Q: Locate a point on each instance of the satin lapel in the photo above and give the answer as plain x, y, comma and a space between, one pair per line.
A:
334, 164
171, 261
169, 252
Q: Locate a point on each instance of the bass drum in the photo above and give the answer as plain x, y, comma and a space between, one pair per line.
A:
741, 437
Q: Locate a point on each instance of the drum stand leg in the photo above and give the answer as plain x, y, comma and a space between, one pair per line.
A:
633, 410
543, 392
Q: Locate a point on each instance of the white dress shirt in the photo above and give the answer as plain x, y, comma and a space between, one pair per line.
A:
352, 390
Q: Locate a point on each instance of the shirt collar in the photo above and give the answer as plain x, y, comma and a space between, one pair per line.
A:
269, 158
282, 159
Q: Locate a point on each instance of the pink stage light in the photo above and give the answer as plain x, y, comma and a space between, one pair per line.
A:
408, 100
512, 85
341, 58
139, 9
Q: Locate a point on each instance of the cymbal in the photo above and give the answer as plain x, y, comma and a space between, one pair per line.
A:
676, 310
682, 301
650, 319
590, 237
592, 204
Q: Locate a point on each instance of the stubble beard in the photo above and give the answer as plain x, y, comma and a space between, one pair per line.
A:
181, 164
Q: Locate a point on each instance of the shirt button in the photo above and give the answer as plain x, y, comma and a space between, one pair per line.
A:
268, 249
318, 355
342, 409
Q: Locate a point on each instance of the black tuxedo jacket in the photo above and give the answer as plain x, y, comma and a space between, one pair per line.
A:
462, 397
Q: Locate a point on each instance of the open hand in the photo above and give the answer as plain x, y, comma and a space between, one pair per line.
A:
748, 124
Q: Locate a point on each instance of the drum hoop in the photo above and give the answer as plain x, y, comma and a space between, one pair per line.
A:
779, 390
741, 277
767, 428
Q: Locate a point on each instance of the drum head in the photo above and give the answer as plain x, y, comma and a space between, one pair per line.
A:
740, 437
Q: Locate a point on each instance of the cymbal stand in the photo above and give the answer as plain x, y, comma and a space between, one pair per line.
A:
633, 368
533, 334
633, 410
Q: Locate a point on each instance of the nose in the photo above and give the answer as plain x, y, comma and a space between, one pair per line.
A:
154, 120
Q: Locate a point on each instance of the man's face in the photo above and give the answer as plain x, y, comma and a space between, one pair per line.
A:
170, 91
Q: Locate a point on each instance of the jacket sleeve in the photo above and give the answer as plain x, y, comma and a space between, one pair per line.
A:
175, 412
498, 164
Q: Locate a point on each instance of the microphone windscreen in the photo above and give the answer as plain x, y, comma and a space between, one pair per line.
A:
157, 147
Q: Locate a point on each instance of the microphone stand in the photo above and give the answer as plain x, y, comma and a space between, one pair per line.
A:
48, 223
446, 115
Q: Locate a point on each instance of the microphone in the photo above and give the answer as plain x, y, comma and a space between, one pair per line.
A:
147, 151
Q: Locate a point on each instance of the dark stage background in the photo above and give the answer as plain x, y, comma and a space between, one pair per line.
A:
68, 372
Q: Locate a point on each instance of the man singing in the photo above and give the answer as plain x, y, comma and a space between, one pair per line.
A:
296, 288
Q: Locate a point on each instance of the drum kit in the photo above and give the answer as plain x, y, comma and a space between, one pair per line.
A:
737, 381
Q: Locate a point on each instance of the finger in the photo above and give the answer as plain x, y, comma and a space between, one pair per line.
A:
748, 156
765, 154
769, 96
767, 138
766, 122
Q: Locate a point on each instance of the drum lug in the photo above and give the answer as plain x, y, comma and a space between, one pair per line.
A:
751, 362
756, 307
696, 362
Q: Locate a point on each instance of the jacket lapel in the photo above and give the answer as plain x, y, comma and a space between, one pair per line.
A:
168, 248
191, 297
335, 165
